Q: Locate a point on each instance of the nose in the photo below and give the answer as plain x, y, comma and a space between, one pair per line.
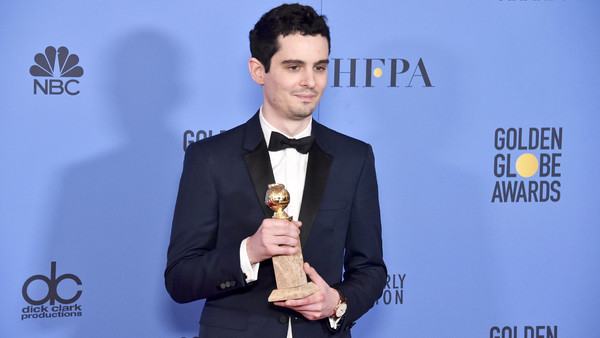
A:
308, 78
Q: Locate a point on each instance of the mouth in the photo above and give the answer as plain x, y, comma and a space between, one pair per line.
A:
305, 96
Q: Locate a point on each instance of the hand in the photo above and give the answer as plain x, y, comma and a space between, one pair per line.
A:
274, 237
318, 305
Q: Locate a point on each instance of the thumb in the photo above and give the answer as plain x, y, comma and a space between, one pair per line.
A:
314, 276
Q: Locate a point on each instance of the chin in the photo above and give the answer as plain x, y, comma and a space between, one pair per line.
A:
303, 113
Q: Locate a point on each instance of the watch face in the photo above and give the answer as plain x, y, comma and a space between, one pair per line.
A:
341, 309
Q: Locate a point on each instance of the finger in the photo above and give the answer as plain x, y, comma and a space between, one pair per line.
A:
302, 309
283, 251
280, 227
314, 276
311, 313
275, 242
308, 313
294, 303
311, 300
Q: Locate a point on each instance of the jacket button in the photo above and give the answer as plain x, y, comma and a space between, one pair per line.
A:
283, 319
223, 286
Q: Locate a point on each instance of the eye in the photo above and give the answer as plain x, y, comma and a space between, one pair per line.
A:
294, 67
321, 68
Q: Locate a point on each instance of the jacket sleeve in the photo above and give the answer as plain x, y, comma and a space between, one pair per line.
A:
364, 269
196, 267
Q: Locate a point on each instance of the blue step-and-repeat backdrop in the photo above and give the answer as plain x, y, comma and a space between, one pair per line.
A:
483, 115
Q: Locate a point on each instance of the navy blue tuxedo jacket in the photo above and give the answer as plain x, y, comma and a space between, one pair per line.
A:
221, 202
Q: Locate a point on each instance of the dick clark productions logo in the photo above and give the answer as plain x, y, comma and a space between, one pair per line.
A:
41, 284
56, 67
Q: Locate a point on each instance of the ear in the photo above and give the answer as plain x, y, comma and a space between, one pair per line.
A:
257, 71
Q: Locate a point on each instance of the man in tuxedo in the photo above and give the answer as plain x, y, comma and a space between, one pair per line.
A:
223, 236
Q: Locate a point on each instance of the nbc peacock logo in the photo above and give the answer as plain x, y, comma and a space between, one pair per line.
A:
51, 69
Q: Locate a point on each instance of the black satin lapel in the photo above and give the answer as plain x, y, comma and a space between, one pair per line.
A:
261, 173
317, 172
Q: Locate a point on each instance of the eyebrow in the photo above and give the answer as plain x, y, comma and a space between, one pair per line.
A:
287, 62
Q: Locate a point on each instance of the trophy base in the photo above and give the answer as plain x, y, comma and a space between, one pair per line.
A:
296, 292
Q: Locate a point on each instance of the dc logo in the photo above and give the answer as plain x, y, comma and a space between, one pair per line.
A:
52, 283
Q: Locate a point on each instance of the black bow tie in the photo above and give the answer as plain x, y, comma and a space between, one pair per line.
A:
279, 142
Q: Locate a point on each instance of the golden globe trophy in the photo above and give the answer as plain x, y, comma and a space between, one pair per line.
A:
289, 270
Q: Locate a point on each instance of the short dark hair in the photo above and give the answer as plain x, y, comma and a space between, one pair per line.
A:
284, 20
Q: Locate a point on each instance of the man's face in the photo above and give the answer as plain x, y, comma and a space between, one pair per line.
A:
297, 78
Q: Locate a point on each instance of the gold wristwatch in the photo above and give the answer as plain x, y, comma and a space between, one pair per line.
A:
341, 307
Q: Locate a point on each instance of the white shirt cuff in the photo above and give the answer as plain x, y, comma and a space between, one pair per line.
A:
250, 270
333, 322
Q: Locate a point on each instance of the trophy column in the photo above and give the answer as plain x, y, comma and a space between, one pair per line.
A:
289, 270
